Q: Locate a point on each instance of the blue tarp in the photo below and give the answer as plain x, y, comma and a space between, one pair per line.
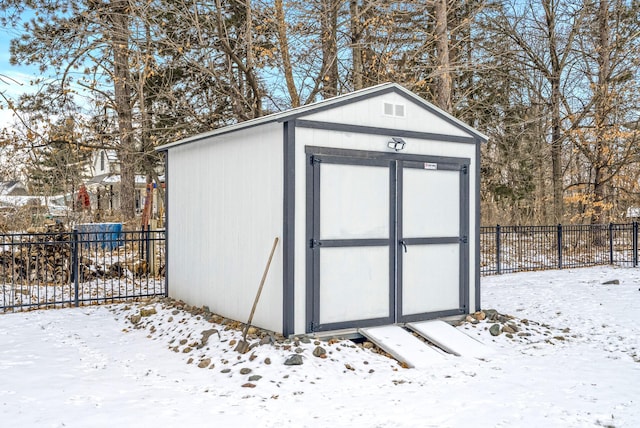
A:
100, 235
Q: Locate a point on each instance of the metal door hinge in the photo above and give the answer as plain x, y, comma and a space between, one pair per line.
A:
313, 243
314, 159
464, 169
312, 327
464, 240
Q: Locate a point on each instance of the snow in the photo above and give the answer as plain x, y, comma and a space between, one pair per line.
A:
90, 366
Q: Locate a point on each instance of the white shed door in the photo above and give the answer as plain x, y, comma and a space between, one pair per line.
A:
429, 231
385, 239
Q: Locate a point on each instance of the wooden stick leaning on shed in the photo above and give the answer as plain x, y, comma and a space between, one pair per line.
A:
243, 346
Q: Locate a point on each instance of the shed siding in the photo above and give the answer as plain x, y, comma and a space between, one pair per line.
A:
225, 208
356, 141
370, 112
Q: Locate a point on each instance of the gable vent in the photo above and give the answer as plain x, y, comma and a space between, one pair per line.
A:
395, 110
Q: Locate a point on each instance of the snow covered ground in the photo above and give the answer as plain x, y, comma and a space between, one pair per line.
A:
574, 362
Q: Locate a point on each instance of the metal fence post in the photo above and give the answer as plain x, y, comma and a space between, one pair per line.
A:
610, 243
498, 270
559, 246
74, 268
635, 243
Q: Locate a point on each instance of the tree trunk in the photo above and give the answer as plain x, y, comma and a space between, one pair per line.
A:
601, 107
122, 92
284, 52
329, 28
356, 48
443, 88
556, 125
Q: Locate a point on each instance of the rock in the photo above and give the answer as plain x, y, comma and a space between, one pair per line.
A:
252, 330
495, 330
206, 334
319, 351
480, 316
248, 385
294, 360
245, 371
491, 314
147, 312
471, 319
232, 342
299, 350
135, 319
186, 350
349, 367
204, 363
508, 329
612, 282
367, 345
254, 378
267, 361
267, 340
305, 340
523, 334
225, 370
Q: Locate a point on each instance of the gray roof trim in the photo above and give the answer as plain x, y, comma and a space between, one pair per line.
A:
371, 130
327, 104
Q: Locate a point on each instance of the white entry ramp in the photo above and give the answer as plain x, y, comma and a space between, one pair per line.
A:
403, 346
450, 339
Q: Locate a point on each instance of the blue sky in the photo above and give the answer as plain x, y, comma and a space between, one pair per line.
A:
14, 80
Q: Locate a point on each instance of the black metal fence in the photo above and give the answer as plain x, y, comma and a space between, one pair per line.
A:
507, 249
58, 269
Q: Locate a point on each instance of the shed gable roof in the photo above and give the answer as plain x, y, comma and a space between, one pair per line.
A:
329, 104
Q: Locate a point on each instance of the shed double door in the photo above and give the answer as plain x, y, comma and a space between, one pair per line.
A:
387, 239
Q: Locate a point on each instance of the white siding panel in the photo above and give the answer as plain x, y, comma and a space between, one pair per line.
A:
371, 112
225, 209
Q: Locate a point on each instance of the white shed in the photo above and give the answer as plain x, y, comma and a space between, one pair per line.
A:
374, 196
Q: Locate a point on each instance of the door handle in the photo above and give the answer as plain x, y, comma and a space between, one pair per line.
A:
404, 244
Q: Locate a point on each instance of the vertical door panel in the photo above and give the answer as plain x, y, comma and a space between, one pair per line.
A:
429, 231
351, 242
431, 204
354, 201
430, 279
354, 284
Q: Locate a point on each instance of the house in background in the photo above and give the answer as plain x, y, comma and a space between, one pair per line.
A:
14, 195
104, 184
13, 188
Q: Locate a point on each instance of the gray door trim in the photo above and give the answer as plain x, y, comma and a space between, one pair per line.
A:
314, 244
463, 239
315, 156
